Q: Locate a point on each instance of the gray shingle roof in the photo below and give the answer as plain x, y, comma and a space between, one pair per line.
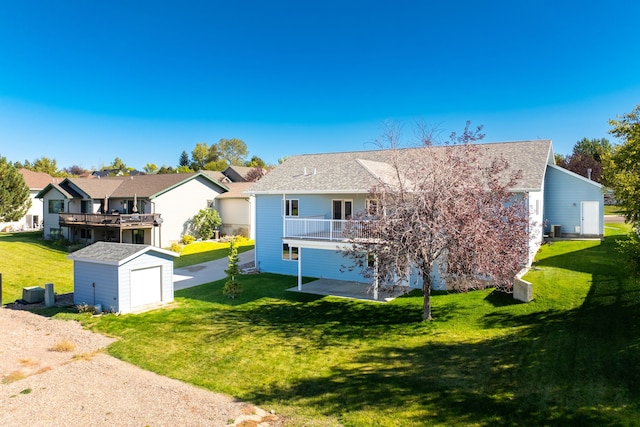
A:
359, 171
113, 253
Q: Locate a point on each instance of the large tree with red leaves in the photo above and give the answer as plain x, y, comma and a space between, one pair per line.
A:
446, 208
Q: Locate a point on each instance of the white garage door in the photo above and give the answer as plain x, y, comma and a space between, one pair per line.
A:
146, 286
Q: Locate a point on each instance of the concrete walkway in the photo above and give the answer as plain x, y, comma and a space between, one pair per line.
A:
350, 289
206, 272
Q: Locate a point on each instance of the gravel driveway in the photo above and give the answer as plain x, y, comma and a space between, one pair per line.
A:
83, 386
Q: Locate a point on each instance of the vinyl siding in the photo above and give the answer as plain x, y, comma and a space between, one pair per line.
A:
113, 284
315, 262
178, 206
562, 198
105, 278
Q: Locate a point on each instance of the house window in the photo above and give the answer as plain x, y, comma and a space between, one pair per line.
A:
291, 207
127, 206
372, 207
289, 252
86, 206
342, 209
85, 234
137, 236
371, 260
56, 206
54, 233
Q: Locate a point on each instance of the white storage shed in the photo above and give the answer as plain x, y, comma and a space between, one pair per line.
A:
122, 277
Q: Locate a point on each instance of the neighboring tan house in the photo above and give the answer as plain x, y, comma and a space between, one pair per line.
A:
236, 208
142, 209
32, 220
304, 203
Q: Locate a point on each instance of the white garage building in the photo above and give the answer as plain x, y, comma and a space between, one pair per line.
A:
123, 277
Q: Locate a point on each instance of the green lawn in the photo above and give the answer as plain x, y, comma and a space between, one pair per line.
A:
28, 260
570, 357
612, 210
198, 252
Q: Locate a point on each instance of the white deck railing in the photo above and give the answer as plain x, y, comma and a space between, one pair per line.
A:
326, 229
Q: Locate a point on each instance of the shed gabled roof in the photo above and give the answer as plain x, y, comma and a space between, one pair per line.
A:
359, 171
114, 253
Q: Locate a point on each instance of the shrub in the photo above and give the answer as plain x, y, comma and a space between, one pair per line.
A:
205, 222
63, 346
232, 289
176, 247
187, 239
630, 251
86, 308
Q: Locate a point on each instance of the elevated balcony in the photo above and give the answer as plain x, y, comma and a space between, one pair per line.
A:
108, 220
328, 230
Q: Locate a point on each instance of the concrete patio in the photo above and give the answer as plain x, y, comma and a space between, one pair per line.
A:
349, 289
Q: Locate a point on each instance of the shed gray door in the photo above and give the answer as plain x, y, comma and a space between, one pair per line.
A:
146, 286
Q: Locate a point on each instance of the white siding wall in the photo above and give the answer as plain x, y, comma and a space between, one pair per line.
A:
178, 206
236, 216
51, 220
536, 218
35, 209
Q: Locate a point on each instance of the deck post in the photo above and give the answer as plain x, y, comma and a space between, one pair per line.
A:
300, 269
375, 277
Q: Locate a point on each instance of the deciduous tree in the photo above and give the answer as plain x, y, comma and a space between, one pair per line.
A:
586, 159
443, 207
205, 222
199, 156
150, 168
75, 170
233, 150
14, 193
622, 166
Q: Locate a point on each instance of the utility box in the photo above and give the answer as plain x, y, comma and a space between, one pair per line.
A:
556, 231
33, 294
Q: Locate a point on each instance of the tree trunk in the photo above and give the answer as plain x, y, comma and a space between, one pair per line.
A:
426, 291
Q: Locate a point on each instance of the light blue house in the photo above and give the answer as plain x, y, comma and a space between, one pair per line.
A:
304, 204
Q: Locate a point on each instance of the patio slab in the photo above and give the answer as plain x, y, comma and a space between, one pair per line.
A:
349, 289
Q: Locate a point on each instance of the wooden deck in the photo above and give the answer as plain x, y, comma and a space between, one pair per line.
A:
108, 220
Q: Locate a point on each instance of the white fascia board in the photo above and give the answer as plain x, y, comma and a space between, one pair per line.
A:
148, 249
92, 261
280, 192
318, 244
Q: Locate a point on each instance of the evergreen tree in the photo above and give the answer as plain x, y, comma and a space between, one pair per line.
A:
232, 288
14, 193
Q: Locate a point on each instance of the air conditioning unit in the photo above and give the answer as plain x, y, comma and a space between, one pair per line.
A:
556, 231
33, 294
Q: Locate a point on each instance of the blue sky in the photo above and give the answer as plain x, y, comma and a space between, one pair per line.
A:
84, 81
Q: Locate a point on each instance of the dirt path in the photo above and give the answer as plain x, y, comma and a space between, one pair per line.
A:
80, 385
